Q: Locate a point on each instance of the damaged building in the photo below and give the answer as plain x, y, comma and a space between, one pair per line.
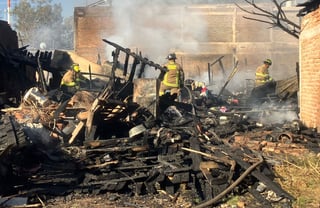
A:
202, 34
116, 134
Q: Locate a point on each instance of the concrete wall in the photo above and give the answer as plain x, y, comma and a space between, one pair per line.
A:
310, 69
228, 34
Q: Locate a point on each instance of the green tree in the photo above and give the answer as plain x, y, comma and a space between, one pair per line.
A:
40, 21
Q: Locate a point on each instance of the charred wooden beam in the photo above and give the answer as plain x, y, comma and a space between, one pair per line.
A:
265, 203
138, 57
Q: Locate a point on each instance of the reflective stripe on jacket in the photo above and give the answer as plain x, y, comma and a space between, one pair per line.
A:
69, 84
262, 75
70, 79
172, 77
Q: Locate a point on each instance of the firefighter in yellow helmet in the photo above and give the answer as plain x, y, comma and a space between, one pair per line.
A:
173, 79
262, 73
70, 81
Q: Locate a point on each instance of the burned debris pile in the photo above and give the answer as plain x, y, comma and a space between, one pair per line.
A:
126, 140
17, 72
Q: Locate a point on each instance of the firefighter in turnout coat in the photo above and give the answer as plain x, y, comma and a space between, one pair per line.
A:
70, 82
173, 79
264, 84
262, 73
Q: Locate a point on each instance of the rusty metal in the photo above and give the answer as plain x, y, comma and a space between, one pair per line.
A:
285, 137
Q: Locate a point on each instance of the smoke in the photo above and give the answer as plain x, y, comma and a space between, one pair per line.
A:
278, 116
46, 36
282, 117
159, 27
156, 28
53, 37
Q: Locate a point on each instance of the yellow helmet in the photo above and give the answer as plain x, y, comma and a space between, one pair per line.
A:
268, 61
75, 67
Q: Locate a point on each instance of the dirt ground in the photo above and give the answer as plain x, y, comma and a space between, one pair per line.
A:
149, 201
183, 199
117, 201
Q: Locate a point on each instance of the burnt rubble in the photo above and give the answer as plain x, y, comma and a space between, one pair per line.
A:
122, 139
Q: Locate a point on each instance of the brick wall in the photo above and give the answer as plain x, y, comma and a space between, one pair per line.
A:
228, 34
92, 24
310, 69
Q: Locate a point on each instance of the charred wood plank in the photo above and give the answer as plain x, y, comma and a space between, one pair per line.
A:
125, 178
125, 66
43, 85
231, 187
218, 159
120, 149
260, 198
178, 170
126, 168
76, 132
141, 70
102, 165
108, 142
267, 181
138, 57
110, 186
260, 176
234, 70
238, 155
95, 107
178, 178
196, 158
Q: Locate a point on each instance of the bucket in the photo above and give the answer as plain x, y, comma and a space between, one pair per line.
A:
139, 129
35, 97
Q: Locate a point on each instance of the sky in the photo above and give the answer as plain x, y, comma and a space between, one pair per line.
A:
67, 6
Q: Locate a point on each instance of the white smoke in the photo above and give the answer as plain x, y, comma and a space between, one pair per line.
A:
274, 117
157, 28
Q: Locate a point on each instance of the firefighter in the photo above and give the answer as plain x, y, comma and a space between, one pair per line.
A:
262, 73
264, 84
173, 79
71, 80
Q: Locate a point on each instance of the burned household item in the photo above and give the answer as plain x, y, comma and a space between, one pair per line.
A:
19, 69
